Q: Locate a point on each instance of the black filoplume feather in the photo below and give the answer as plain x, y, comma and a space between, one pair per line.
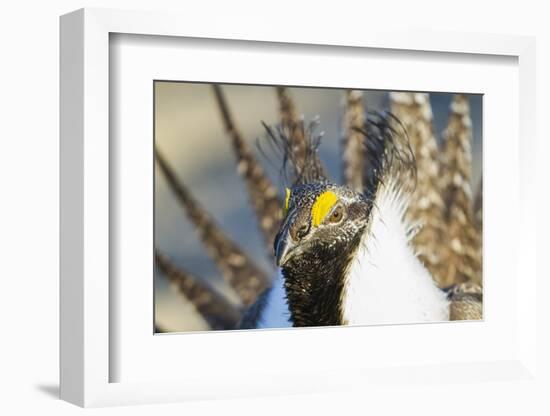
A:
386, 149
308, 168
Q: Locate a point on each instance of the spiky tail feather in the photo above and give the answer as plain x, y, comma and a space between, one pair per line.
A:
263, 195
239, 271
463, 260
352, 140
313, 170
213, 307
386, 152
426, 204
291, 123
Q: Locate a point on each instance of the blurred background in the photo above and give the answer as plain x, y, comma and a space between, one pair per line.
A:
190, 134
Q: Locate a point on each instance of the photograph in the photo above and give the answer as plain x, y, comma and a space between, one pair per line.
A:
295, 206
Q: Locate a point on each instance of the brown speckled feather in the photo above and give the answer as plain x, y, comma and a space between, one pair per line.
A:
463, 262
352, 140
237, 268
263, 195
466, 302
426, 207
297, 140
291, 121
216, 310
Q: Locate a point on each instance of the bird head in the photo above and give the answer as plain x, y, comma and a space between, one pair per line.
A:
320, 233
322, 221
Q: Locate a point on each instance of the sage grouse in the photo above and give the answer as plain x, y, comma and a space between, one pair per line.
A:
399, 242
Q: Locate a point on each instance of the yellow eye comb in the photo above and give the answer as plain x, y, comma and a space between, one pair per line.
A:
322, 206
287, 200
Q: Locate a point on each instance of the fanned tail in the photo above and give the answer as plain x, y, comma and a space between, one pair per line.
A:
238, 270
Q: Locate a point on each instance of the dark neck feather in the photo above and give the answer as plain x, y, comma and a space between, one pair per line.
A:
314, 284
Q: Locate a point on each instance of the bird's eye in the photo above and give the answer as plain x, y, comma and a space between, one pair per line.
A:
337, 214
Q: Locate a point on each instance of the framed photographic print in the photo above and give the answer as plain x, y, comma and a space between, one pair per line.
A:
236, 210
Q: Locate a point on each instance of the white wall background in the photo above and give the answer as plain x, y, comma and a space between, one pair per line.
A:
29, 99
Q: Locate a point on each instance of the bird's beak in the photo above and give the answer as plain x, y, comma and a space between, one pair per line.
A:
284, 246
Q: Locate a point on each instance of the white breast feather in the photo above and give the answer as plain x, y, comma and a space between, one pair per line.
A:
386, 282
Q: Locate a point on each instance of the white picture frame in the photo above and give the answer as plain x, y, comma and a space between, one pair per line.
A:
87, 294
